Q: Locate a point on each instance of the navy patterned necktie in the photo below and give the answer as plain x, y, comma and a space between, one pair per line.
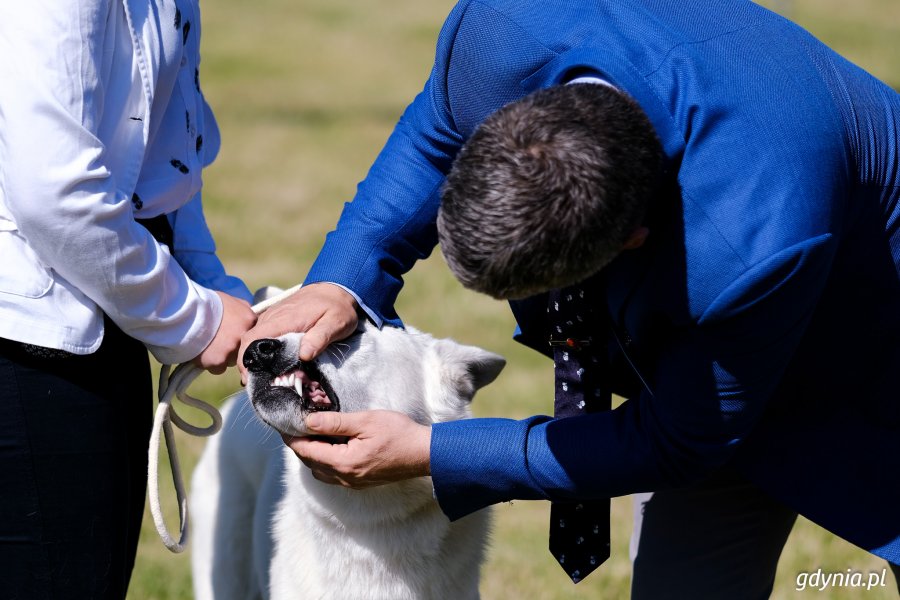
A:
579, 530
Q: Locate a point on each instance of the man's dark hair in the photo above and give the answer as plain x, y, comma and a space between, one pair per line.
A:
547, 190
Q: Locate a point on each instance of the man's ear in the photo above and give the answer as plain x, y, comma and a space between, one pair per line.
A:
636, 239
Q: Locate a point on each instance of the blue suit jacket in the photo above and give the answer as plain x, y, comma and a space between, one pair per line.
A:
759, 328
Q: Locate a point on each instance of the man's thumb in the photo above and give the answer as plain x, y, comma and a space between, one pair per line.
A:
330, 423
313, 342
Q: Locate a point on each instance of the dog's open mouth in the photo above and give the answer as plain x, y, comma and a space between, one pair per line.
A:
283, 388
308, 383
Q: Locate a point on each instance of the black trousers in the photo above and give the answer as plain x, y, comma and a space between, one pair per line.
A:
73, 465
721, 538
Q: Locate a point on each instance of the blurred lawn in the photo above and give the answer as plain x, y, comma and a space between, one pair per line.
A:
306, 92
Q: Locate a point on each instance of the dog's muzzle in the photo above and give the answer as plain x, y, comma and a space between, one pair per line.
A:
261, 355
276, 373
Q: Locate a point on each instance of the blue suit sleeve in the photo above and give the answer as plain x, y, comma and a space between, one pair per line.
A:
710, 387
390, 224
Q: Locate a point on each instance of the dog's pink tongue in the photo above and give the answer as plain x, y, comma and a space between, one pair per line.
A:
313, 391
317, 394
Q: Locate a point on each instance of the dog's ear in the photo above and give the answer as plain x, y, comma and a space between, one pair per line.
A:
471, 367
483, 366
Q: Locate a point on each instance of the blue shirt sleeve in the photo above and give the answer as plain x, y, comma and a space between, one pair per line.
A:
390, 224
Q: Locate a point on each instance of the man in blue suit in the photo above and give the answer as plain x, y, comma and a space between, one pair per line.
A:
751, 315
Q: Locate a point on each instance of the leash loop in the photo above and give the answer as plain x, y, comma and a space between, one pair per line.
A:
173, 384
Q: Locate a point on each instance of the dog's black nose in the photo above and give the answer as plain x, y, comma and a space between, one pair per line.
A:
261, 354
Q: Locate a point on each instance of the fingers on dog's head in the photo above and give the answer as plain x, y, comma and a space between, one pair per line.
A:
315, 341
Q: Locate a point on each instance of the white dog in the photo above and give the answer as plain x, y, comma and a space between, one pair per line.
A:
264, 527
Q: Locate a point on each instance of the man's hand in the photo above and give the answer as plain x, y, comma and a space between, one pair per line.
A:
222, 351
324, 312
383, 447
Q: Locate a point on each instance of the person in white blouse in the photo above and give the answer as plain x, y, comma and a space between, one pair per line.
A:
104, 253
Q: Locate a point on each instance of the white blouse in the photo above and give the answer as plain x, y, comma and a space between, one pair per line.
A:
102, 121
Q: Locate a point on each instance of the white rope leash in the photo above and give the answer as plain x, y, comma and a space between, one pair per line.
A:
171, 387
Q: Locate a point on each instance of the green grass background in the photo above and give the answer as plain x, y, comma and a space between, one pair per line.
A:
306, 92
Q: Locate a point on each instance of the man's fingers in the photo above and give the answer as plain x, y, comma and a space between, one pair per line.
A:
319, 456
325, 312
281, 319
275, 322
311, 451
331, 327
334, 423
315, 341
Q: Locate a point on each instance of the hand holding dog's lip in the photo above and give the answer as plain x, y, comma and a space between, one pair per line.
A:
325, 312
382, 447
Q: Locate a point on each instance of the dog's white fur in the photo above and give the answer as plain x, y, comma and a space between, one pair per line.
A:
262, 523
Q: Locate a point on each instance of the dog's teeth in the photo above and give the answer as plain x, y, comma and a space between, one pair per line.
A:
298, 386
